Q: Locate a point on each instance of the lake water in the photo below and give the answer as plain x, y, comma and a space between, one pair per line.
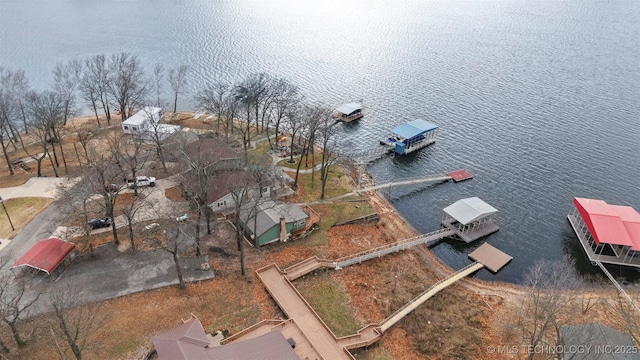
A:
538, 99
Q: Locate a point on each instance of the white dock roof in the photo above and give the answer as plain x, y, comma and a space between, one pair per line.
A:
349, 108
468, 210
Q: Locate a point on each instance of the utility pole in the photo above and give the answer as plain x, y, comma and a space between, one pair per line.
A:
6, 212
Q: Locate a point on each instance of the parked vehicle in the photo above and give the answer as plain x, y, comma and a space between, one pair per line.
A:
182, 218
142, 181
112, 188
99, 223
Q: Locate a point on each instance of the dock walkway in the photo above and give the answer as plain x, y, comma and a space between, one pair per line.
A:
296, 307
313, 263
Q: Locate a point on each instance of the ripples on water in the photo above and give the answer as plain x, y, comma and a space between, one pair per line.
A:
538, 99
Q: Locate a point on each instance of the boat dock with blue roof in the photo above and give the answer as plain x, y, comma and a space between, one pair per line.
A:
411, 136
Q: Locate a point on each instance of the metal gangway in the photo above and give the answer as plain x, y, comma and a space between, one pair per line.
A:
313, 263
438, 178
433, 290
427, 239
620, 289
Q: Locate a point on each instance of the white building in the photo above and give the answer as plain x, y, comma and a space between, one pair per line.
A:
142, 121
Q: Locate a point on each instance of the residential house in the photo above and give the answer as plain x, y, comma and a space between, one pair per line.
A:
268, 221
189, 342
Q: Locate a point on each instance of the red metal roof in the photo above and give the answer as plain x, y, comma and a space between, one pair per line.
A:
631, 220
45, 255
610, 224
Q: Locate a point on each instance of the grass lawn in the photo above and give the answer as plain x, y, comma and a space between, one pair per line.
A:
284, 162
333, 213
21, 211
329, 299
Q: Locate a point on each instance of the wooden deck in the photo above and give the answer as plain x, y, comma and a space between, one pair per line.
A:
313, 338
307, 320
593, 256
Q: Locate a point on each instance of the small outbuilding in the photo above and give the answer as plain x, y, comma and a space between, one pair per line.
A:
142, 121
45, 255
470, 219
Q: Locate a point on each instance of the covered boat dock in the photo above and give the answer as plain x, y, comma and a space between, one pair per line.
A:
349, 112
411, 136
608, 234
470, 219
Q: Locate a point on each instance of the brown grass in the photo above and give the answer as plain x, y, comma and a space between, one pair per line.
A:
21, 211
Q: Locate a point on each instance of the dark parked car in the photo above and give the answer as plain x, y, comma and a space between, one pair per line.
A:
99, 223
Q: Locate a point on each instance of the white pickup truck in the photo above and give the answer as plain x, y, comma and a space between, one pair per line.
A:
142, 181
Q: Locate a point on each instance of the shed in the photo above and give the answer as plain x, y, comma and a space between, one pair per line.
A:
141, 121
45, 255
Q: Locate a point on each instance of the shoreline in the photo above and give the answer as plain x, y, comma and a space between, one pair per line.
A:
478, 286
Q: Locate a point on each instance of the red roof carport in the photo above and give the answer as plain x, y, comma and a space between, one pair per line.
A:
45, 255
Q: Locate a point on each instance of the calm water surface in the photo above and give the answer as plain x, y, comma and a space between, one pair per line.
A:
538, 99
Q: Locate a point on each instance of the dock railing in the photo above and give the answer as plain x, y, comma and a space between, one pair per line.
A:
427, 239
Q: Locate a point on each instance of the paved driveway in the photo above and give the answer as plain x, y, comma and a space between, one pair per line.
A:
47, 187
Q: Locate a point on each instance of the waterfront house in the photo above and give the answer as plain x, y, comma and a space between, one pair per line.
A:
268, 221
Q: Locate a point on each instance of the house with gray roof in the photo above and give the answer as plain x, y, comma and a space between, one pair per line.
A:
268, 221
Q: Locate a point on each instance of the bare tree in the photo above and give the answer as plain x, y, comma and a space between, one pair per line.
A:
158, 136
214, 98
251, 93
46, 111
546, 301
17, 298
196, 180
295, 123
130, 211
246, 194
177, 79
127, 84
105, 171
78, 202
312, 117
96, 76
132, 156
73, 322
20, 88
327, 132
158, 74
286, 97
8, 111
